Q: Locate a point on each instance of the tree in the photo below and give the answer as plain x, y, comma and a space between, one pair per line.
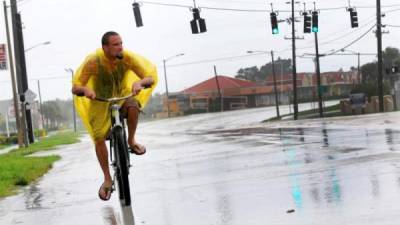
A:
2, 122
53, 114
282, 66
250, 73
391, 57
369, 72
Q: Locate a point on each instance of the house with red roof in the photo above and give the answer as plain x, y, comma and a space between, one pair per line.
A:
227, 93
220, 93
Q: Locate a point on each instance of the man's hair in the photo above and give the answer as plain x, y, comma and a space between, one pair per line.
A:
106, 37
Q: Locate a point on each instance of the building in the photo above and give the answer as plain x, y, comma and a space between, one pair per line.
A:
222, 93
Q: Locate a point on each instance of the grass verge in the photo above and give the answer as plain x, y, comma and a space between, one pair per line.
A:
18, 170
3, 146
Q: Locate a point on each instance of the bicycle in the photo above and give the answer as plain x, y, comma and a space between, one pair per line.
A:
119, 151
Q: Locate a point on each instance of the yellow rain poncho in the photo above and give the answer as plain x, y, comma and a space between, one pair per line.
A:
109, 79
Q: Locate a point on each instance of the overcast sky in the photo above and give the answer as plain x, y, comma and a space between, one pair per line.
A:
74, 28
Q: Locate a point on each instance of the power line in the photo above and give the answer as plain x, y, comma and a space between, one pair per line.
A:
345, 35
366, 22
351, 43
215, 59
392, 25
256, 10
393, 10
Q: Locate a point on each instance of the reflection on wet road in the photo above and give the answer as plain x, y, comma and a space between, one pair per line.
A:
228, 169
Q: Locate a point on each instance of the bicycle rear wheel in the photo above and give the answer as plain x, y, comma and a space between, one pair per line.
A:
121, 151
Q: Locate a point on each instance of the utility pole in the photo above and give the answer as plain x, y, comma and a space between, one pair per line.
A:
21, 70
165, 78
40, 104
166, 87
319, 87
219, 89
13, 82
73, 104
73, 96
358, 69
380, 61
295, 107
318, 71
275, 90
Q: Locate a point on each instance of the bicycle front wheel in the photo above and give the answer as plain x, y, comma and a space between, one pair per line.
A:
121, 155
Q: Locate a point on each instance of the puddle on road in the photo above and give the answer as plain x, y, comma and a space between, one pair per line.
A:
341, 140
33, 198
323, 167
122, 217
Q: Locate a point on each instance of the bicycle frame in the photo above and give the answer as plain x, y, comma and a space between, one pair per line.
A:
119, 155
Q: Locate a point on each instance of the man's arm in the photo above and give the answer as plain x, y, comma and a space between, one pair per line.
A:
83, 75
144, 69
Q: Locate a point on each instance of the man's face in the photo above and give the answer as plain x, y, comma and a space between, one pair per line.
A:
114, 47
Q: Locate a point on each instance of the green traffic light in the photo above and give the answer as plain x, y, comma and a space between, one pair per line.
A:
275, 31
315, 29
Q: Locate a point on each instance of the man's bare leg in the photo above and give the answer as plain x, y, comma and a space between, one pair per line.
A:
102, 156
133, 117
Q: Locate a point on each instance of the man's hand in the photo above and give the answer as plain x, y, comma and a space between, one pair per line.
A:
89, 93
142, 84
83, 91
137, 87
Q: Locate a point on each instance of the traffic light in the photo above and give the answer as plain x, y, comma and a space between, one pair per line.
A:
274, 23
307, 23
395, 69
315, 28
353, 17
136, 13
198, 23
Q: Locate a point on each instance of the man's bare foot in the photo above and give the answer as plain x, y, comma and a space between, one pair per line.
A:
137, 149
105, 191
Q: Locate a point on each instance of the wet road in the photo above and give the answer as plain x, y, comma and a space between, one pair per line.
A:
226, 168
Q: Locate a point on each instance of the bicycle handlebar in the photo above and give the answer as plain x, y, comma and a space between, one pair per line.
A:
115, 99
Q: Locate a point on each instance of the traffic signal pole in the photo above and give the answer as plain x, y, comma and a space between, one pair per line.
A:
275, 89
315, 29
321, 113
13, 82
380, 61
22, 80
294, 72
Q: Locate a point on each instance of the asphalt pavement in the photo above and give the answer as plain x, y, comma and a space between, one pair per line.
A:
228, 168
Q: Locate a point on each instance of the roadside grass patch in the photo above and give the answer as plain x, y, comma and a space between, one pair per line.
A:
49, 143
20, 171
17, 170
3, 146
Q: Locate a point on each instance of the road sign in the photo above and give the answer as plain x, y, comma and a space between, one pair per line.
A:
3, 57
30, 96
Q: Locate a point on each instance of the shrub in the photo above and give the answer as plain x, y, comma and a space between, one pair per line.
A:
40, 133
3, 139
12, 140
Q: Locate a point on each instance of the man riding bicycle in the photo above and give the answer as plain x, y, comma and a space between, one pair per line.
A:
112, 72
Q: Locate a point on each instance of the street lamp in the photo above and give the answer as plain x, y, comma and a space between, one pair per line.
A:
37, 45
73, 105
274, 77
165, 78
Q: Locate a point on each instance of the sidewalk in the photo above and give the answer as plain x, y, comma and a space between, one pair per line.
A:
8, 149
